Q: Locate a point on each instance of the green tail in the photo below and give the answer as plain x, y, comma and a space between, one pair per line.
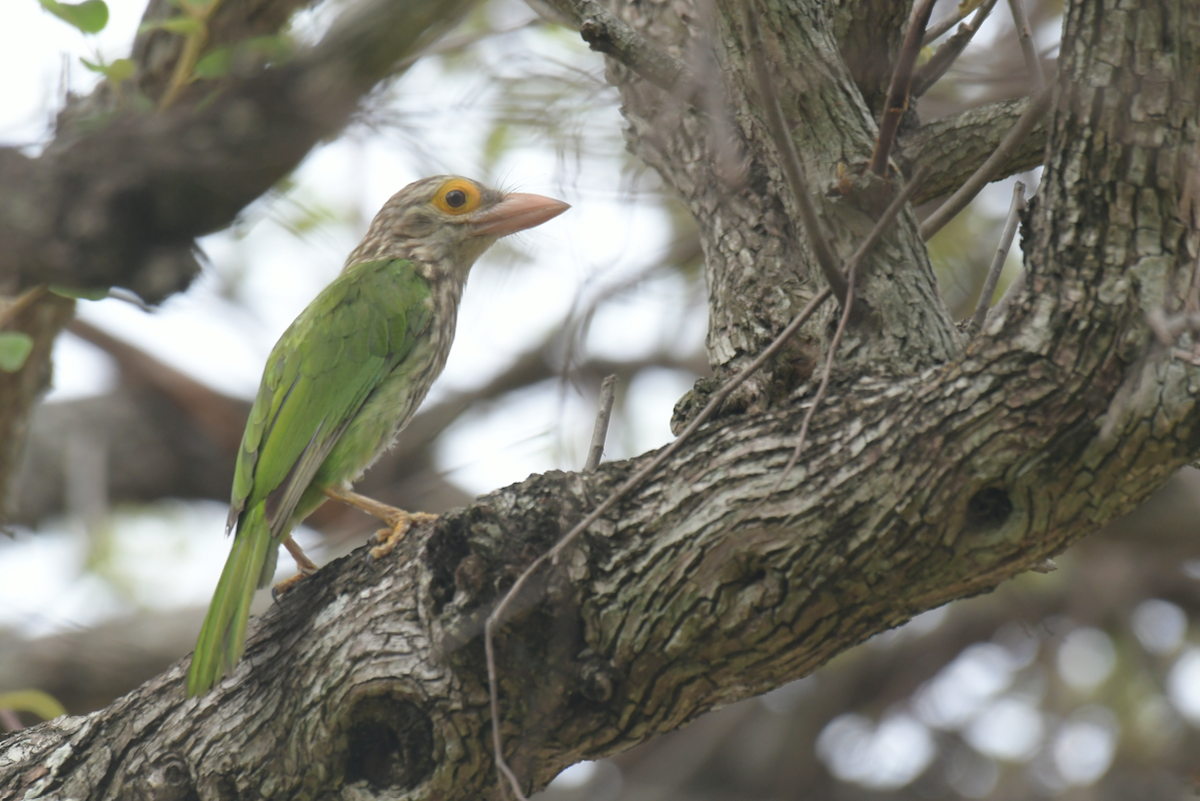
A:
251, 565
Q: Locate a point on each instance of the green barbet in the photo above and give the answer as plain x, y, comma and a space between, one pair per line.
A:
342, 382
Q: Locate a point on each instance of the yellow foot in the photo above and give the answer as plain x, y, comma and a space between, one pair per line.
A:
401, 521
285, 585
305, 565
398, 520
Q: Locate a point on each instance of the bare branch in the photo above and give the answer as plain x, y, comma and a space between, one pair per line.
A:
608, 393
955, 146
897, 100
993, 276
1007, 149
1033, 61
943, 25
789, 158
608, 34
936, 67
122, 205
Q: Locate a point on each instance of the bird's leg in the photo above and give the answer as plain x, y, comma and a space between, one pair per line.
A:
398, 520
304, 565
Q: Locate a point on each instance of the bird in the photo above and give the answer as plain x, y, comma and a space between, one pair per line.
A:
342, 382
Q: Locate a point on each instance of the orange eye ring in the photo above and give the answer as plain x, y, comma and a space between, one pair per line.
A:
457, 196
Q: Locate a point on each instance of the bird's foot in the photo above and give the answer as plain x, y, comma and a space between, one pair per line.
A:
304, 565
400, 521
285, 585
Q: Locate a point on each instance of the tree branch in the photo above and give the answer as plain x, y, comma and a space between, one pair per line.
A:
122, 205
955, 147
897, 99
990, 169
608, 34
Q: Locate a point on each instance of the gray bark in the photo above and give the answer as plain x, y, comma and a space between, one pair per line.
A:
936, 469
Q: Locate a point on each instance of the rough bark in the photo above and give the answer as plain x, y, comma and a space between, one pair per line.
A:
933, 472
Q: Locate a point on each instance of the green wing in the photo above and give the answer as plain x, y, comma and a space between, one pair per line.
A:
318, 375
328, 362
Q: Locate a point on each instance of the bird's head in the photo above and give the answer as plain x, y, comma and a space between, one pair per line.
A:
445, 223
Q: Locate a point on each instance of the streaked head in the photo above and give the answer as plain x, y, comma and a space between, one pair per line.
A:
447, 222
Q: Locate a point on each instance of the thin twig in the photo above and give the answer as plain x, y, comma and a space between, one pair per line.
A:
497, 618
939, 28
933, 69
1033, 61
993, 276
1008, 146
608, 393
792, 168
20, 304
852, 264
1015, 288
897, 99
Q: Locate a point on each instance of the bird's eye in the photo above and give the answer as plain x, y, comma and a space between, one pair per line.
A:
457, 196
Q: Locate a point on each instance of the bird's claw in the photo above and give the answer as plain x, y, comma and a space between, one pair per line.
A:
388, 538
291, 581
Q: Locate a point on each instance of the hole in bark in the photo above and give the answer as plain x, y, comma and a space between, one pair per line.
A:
167, 778
989, 508
389, 743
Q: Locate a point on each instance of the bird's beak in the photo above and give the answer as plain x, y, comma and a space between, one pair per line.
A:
516, 212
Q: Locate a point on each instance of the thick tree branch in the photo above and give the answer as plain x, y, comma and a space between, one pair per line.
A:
396, 645
955, 147
122, 205
1008, 148
608, 34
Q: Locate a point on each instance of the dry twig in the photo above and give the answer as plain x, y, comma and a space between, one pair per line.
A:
1033, 61
933, 69
608, 393
939, 28
897, 100
993, 276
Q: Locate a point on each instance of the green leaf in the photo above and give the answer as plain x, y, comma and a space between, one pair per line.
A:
116, 72
90, 16
184, 26
78, 292
14, 349
42, 704
275, 47
214, 64
120, 70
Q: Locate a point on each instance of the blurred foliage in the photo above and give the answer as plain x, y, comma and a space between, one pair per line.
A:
36, 702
